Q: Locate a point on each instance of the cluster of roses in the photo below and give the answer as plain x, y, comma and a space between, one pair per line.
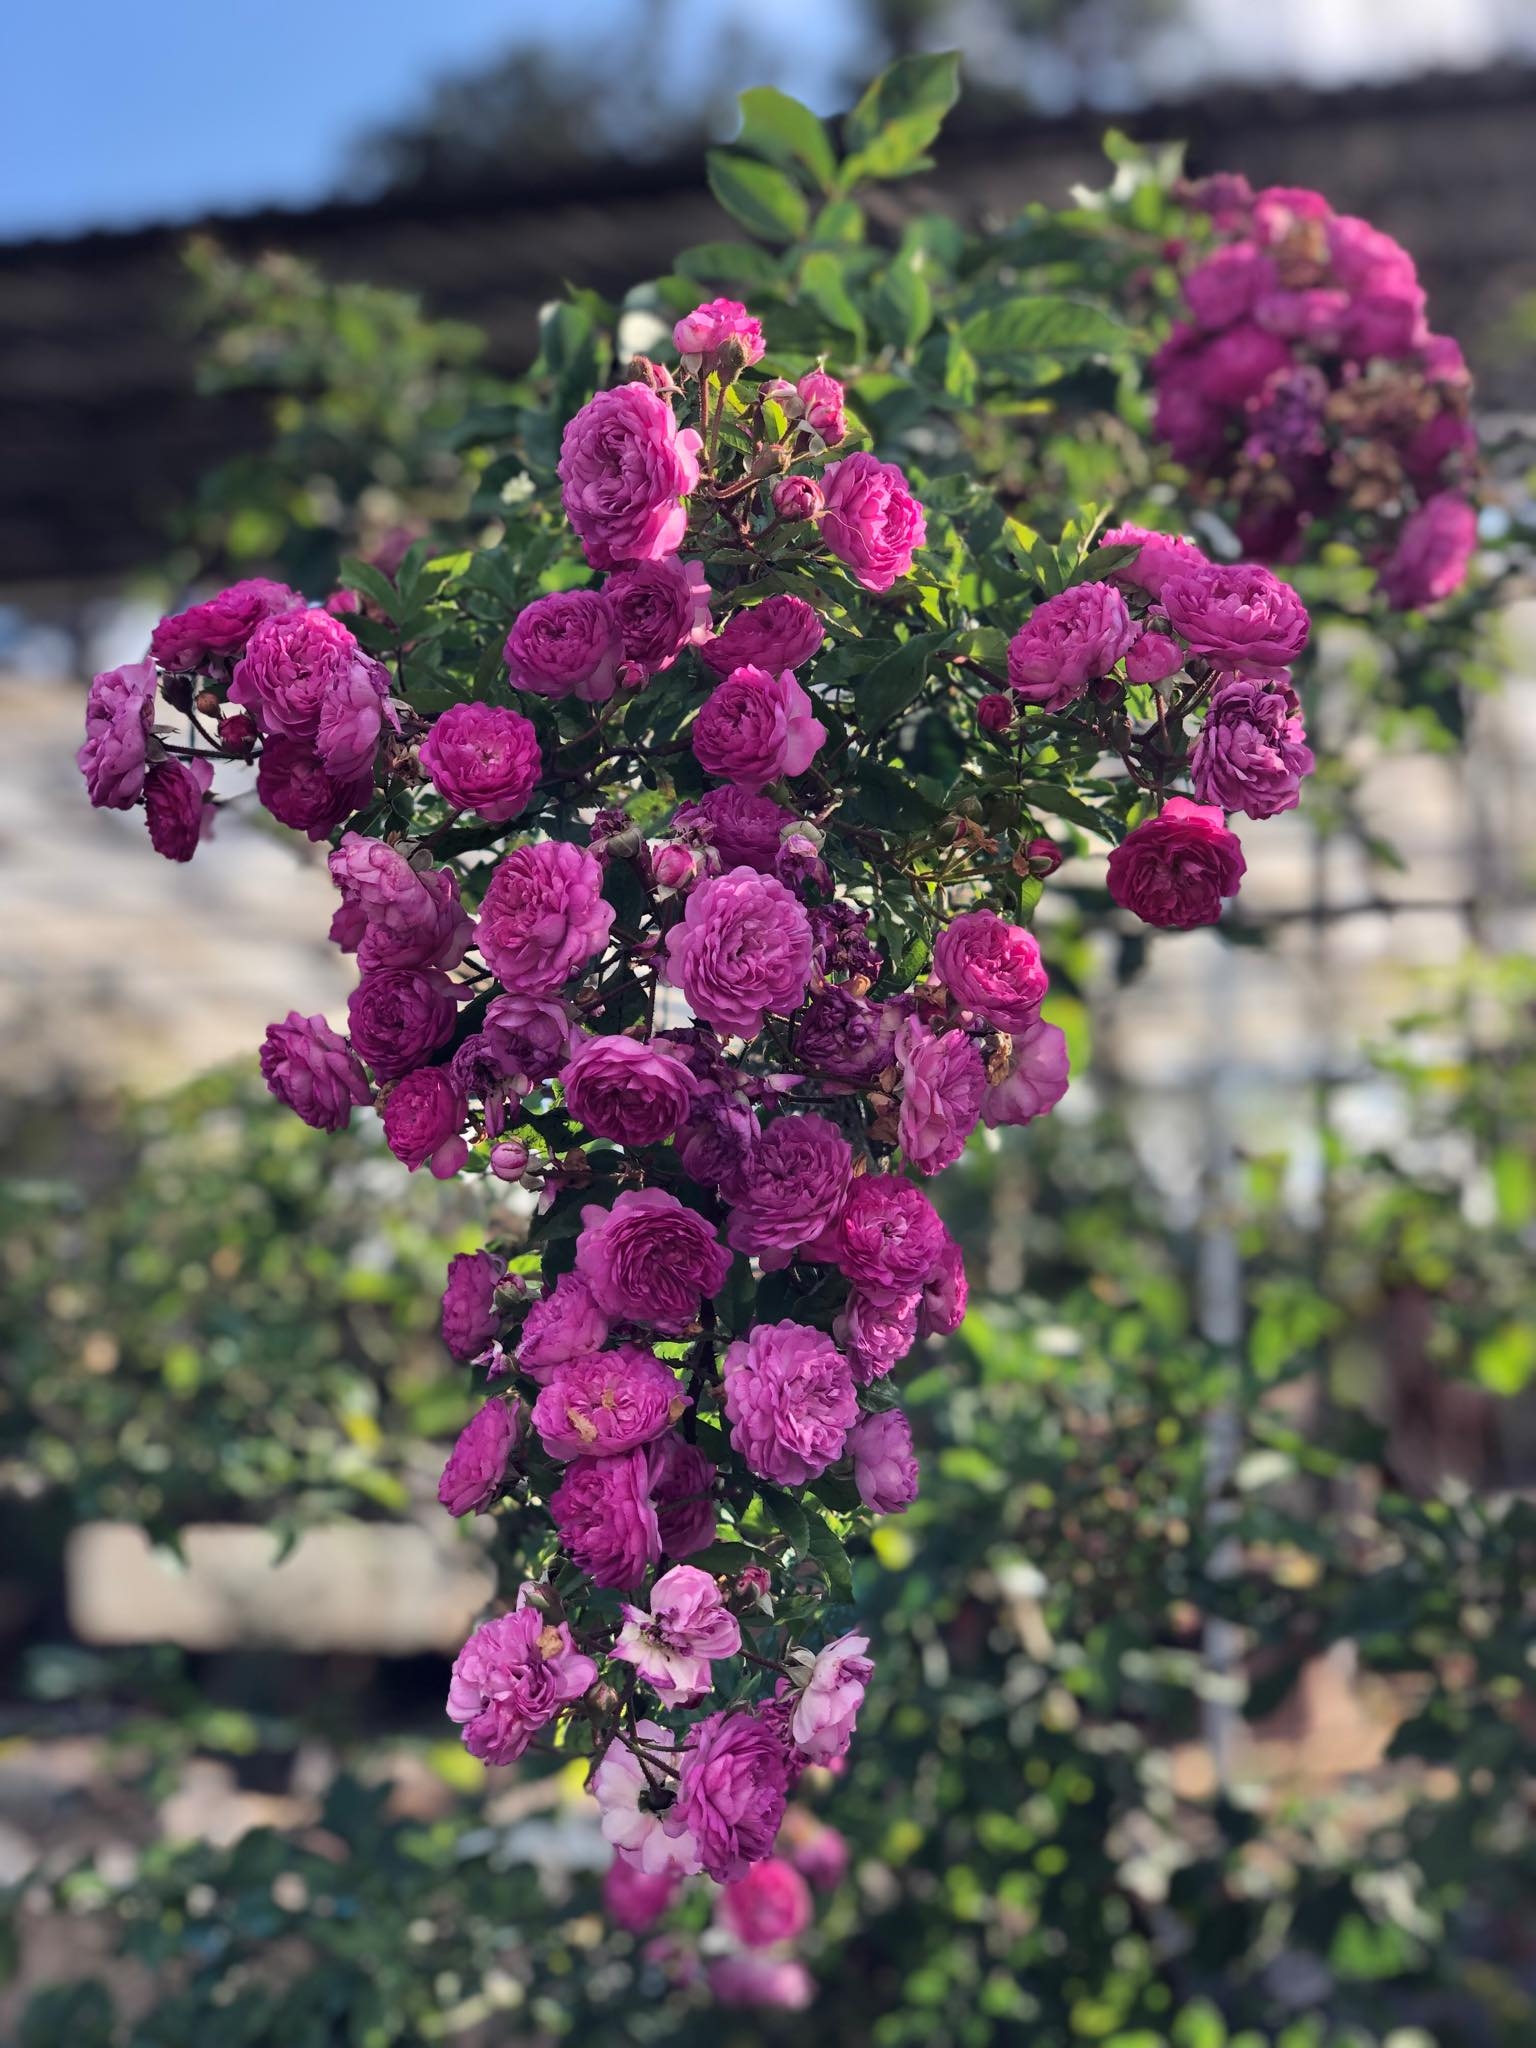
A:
785, 1120
1305, 382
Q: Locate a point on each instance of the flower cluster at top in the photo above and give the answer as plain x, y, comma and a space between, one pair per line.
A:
1305, 383
672, 1017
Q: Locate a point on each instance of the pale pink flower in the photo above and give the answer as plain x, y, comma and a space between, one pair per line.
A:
687, 1627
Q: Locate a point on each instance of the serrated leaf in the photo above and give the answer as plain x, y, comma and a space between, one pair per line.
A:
775, 126
827, 1549
760, 197
1043, 326
903, 306
376, 587
822, 281
899, 115
787, 1515
895, 681
1061, 803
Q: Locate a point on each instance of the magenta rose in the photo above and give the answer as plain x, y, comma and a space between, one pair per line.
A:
293, 783
1174, 870
755, 727
746, 831
830, 1698
796, 498
992, 968
1034, 1080
470, 1315
683, 1490
768, 1983
218, 629
176, 808
477, 1464
770, 1902
780, 633
742, 950
1237, 364
790, 1398
876, 1335
511, 1679
625, 470
603, 1512
607, 1403
846, 1036
303, 676
872, 522
314, 1071
1252, 752
731, 1792
530, 1036
941, 1309
483, 758
119, 715
661, 608
942, 1079
566, 645
1386, 300
649, 1260
1227, 286
673, 1641
1238, 616
1432, 553
392, 914
884, 1468
543, 917
636, 1899
633, 1093
791, 1188
563, 1324
703, 336
1068, 642
423, 1114
718, 1140
822, 406
888, 1239
1153, 657
399, 1017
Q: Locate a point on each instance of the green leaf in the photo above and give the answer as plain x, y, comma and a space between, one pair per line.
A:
729, 263
362, 576
787, 1515
827, 1549
1043, 326
894, 682
822, 282
901, 113
903, 306
1061, 803
757, 195
775, 126
885, 797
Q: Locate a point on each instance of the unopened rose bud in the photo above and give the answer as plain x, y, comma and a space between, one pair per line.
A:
642, 370
784, 396
1044, 857
752, 1585
237, 735
509, 1159
769, 461
208, 703
603, 1698
673, 866
994, 714
797, 497
177, 692
732, 358
633, 675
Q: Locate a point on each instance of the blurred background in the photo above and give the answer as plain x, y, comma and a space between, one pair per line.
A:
1208, 1682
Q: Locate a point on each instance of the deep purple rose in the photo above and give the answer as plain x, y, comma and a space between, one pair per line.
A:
875, 1335
942, 1079
649, 1260
992, 968
119, 712
399, 1017
566, 645
303, 676
176, 807
791, 1189
1252, 752
423, 1114
661, 608
293, 783
605, 1518
564, 1323
683, 1490
608, 1402
745, 831
888, 1239
511, 1679
470, 1315
884, 1468
477, 1464
633, 1093
393, 914
312, 1068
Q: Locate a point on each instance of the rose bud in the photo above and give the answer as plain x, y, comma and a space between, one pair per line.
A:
509, 1159
1043, 856
797, 497
994, 714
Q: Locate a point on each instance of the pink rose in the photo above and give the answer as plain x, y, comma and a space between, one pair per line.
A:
661, 608
1174, 869
1035, 1079
423, 1114
606, 1522
768, 1903
831, 1693
991, 968
1230, 369
312, 1069
872, 522
876, 1335
884, 1468
649, 1260
218, 629
1227, 286
543, 917
755, 727
1251, 754
742, 950
746, 831
731, 1792
531, 1037
818, 1852
634, 1899
119, 715
846, 1036
629, 1819
606, 1403
483, 758
796, 498
625, 471
566, 645
562, 1324
703, 336
470, 1315
942, 1079
399, 1016
176, 807
303, 676
791, 1188
776, 1983
1153, 657
673, 1642
1067, 642
888, 1239
790, 1398
1238, 616
392, 914
477, 1464
821, 400
941, 1307
631, 1092
511, 1679
293, 783
780, 633
683, 1489
1430, 560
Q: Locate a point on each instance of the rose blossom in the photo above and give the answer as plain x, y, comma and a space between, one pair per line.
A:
1252, 752
776, 1983
884, 1469
543, 916
796, 498
630, 1821
625, 469
483, 758
744, 830
1238, 616
423, 1114
1034, 1080
780, 633
393, 915
872, 522
175, 809
531, 1036
755, 727
602, 1510
1160, 555
941, 1306
790, 1399
743, 949
1430, 560
1174, 870
566, 645
683, 1491
847, 1036
1228, 285
791, 1188
649, 1260
1067, 642
633, 1899
314, 1071
470, 1315
686, 1628
770, 1902
628, 1091
303, 676
1153, 657
888, 1239
564, 1323
731, 1792
702, 336
293, 783
832, 1693
478, 1074
119, 712
606, 1403
942, 1079
477, 1464
992, 968
820, 1853
661, 608
511, 1679
822, 400
875, 1335
218, 629
399, 1016
994, 713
